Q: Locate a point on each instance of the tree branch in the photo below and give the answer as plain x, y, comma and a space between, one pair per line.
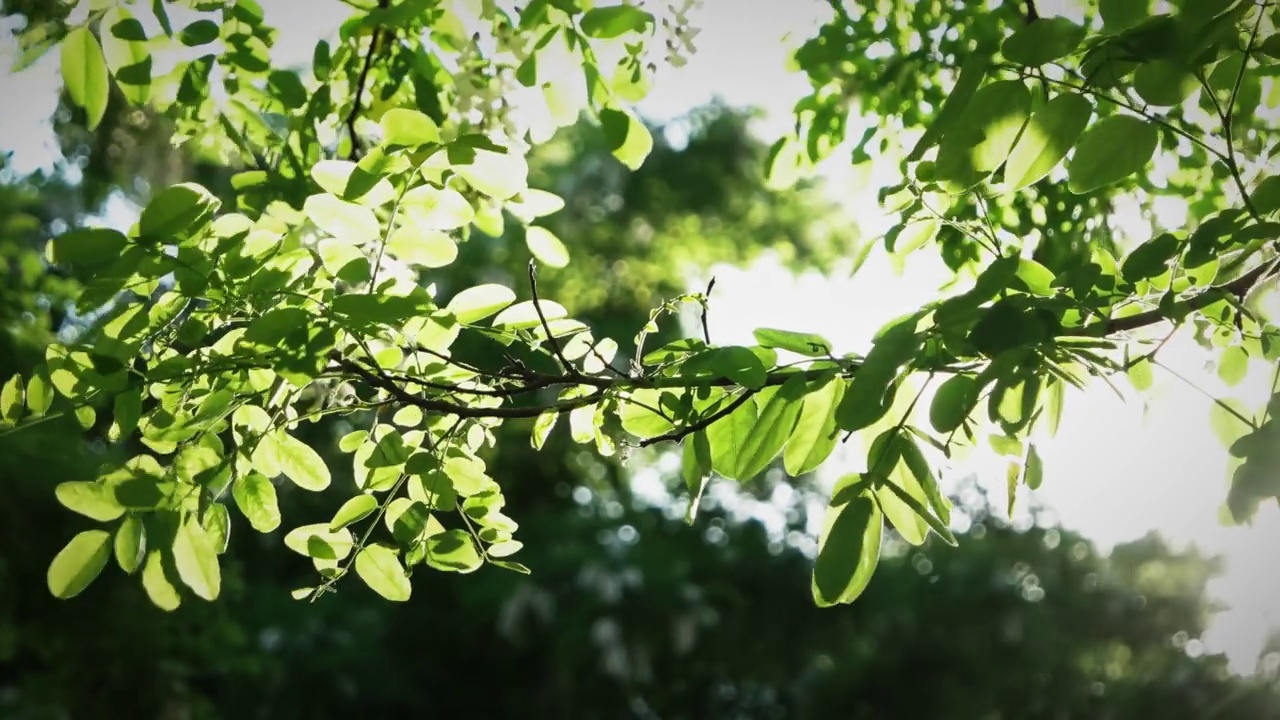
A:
546, 327
705, 422
374, 39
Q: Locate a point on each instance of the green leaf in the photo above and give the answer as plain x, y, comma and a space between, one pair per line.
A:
217, 526
806, 344
1233, 365
777, 418
380, 569
353, 510
546, 247
972, 73
615, 20
79, 563
39, 395
131, 544
176, 212
200, 32
628, 138
1036, 278
422, 247
342, 219
317, 541
84, 73
12, 398
735, 363
1043, 41
1140, 375
348, 181
729, 436
197, 560
479, 302
299, 462
1033, 470
815, 434
524, 315
1049, 135
954, 400
1227, 424
468, 476
124, 46
255, 496
1266, 197
695, 468
1113, 149
984, 135
911, 526
156, 581
91, 499
1006, 326
453, 551
867, 398
848, 547
1151, 258
87, 248
1120, 15
1164, 82
498, 175
410, 128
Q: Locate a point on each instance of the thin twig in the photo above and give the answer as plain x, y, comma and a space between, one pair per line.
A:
374, 39
706, 296
567, 366
705, 422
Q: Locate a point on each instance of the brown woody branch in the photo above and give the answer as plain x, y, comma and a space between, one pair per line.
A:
375, 39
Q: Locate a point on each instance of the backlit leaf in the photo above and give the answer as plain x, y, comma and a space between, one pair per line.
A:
79, 563
1115, 147
353, 510
546, 247
1049, 135
628, 138
806, 344
1043, 41
848, 547
130, 544
255, 496
404, 126
197, 560
380, 569
479, 302
84, 73
815, 434
614, 20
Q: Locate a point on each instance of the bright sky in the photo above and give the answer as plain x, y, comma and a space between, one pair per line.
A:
1114, 472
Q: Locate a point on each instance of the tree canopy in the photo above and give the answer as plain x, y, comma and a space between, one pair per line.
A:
310, 279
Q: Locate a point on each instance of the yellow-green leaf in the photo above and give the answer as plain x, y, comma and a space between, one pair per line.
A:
197, 560
255, 496
479, 302
849, 546
84, 72
79, 563
381, 570
546, 247
131, 544
628, 138
353, 510
1116, 147
1049, 135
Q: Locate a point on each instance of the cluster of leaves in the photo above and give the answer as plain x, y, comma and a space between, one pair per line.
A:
224, 332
